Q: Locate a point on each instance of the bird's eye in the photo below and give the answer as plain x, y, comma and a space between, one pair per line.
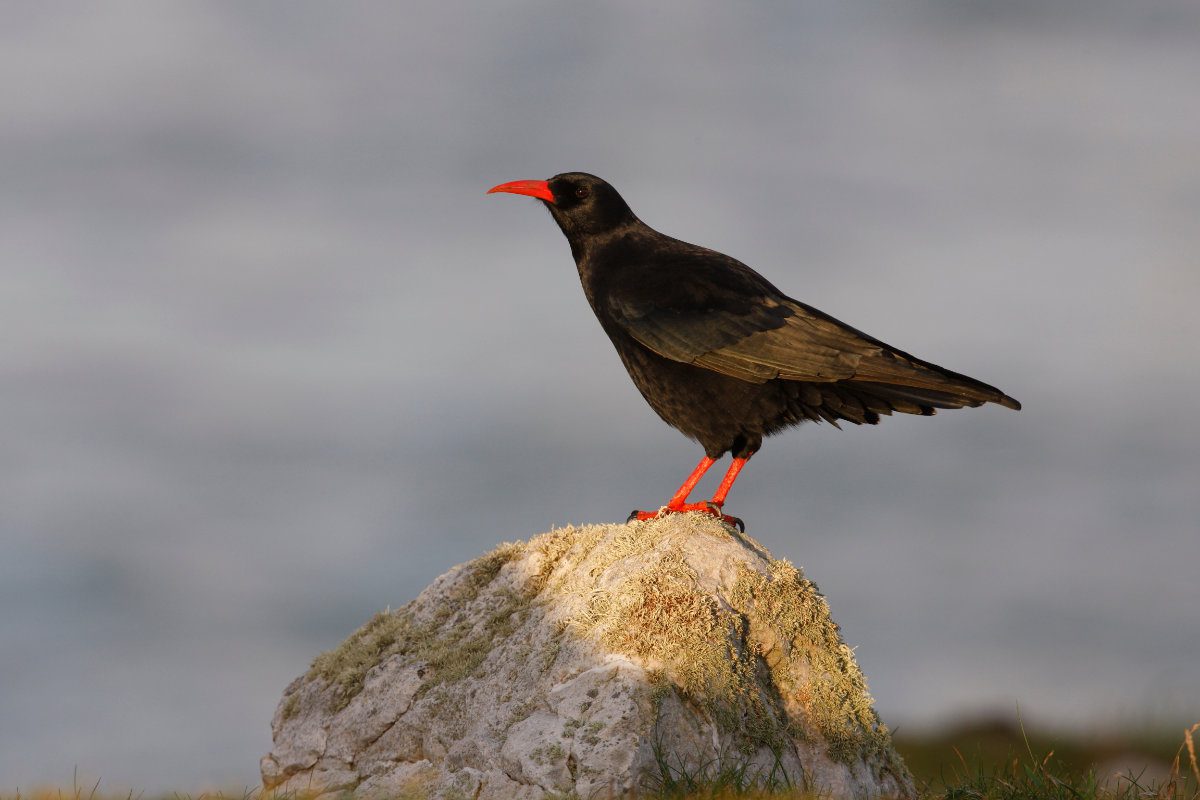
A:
582, 192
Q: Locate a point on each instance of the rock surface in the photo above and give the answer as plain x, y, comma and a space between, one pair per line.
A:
606, 658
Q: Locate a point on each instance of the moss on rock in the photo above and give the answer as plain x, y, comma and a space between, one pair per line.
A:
753, 658
790, 628
450, 643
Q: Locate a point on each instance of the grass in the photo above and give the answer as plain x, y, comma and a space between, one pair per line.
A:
946, 758
732, 778
979, 768
1004, 764
993, 762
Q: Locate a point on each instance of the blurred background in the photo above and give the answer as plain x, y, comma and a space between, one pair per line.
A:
270, 360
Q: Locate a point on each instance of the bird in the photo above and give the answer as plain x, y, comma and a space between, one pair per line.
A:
721, 354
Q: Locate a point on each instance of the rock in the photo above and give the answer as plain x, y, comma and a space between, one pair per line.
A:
589, 661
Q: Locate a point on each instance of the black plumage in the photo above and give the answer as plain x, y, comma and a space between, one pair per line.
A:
719, 352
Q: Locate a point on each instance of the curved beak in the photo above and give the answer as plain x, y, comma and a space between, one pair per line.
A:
538, 189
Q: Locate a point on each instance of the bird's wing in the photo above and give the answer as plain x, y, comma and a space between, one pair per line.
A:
754, 340
727, 318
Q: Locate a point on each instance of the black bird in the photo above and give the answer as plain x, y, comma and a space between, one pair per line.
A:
721, 354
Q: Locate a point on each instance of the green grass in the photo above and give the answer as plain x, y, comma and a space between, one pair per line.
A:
949, 756
979, 762
1002, 762
992, 761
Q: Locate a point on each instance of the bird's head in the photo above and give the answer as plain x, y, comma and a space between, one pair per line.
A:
582, 204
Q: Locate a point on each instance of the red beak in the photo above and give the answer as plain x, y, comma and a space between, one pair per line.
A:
538, 189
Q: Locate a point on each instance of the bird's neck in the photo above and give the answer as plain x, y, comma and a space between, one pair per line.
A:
598, 256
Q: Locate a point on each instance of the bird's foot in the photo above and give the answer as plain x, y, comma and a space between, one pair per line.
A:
732, 521
708, 507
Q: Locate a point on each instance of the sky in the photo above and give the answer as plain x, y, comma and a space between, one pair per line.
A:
271, 360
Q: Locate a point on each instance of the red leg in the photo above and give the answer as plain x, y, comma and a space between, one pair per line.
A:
681, 496
718, 499
678, 502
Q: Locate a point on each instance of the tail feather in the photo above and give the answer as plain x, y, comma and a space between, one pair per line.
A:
904, 398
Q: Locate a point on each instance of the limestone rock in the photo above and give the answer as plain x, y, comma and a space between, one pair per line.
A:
606, 658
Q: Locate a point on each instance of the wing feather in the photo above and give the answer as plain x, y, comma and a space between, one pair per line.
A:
741, 326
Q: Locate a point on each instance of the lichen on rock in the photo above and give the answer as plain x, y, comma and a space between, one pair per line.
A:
590, 659
451, 643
